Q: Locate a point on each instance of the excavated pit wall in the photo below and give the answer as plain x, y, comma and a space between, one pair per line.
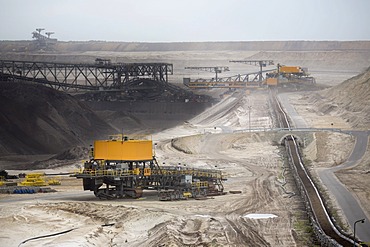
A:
147, 116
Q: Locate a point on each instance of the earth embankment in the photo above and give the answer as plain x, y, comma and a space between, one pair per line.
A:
38, 120
350, 100
146, 117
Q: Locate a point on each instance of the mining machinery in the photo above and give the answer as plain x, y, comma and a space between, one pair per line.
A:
103, 75
40, 37
42, 41
261, 63
281, 75
121, 167
247, 81
238, 81
49, 34
288, 74
216, 70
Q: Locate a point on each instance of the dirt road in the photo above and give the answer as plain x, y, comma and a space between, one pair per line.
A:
249, 160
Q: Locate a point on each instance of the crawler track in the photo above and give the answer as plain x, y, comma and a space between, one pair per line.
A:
315, 206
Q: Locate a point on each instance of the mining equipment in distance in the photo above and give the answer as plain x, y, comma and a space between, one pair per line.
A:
121, 167
282, 75
288, 74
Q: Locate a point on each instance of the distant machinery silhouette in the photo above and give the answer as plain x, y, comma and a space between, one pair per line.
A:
42, 41
248, 80
261, 63
48, 34
39, 30
283, 74
216, 69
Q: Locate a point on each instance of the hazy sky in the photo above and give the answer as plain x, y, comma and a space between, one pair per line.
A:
187, 20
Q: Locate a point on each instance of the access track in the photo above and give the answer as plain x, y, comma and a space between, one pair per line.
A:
327, 233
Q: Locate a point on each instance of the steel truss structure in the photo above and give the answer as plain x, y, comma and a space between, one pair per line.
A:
261, 63
216, 70
236, 81
249, 80
171, 182
98, 76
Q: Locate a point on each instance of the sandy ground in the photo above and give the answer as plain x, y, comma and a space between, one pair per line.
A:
251, 161
329, 149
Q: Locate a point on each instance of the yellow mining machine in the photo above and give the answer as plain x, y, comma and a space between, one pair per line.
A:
281, 75
121, 167
288, 74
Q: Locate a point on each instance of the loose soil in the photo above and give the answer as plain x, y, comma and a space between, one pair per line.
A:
252, 162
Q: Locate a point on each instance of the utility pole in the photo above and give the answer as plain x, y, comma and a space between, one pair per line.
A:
249, 116
354, 230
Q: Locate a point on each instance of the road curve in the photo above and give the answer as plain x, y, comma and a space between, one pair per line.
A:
346, 200
349, 205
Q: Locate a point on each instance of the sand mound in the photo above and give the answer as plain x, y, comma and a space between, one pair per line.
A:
68, 157
36, 119
350, 100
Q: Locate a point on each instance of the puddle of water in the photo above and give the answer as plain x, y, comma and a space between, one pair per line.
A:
202, 215
260, 216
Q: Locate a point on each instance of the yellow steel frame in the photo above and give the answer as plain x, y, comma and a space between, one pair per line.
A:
129, 150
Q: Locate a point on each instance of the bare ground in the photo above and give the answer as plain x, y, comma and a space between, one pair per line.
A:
250, 161
332, 149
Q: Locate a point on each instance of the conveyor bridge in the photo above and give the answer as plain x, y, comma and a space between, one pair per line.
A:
101, 75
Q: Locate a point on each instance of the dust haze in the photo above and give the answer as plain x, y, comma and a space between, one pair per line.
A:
49, 131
